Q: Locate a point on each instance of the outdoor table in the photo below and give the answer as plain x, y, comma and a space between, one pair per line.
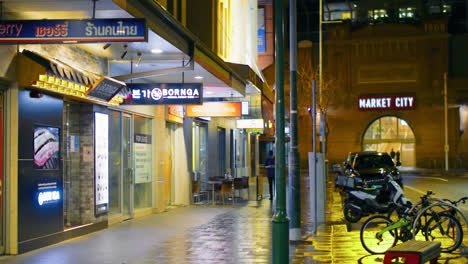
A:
213, 183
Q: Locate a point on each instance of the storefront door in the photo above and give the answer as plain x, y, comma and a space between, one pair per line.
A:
127, 167
200, 150
393, 135
169, 164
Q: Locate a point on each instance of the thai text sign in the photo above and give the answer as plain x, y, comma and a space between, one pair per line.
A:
394, 102
215, 109
79, 30
143, 159
164, 93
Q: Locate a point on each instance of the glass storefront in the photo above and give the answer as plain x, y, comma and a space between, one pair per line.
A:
391, 133
143, 162
199, 150
169, 162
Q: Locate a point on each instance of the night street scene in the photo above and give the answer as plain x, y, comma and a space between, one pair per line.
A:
233, 131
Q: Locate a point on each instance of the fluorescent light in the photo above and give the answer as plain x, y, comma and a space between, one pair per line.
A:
198, 77
156, 51
209, 92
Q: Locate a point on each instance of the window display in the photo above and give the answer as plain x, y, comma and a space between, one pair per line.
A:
46, 147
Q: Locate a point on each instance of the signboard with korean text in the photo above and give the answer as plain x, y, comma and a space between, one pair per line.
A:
164, 93
393, 102
73, 31
101, 162
215, 109
105, 88
143, 158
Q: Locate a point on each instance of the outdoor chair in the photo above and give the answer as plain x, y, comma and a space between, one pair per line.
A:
226, 188
196, 192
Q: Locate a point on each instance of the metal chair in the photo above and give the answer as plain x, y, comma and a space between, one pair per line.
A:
196, 192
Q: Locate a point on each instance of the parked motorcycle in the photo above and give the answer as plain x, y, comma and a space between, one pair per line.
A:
364, 201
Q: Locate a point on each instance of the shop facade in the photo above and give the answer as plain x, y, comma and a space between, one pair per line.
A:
389, 93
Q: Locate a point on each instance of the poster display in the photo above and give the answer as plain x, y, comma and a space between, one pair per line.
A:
46, 148
143, 158
101, 162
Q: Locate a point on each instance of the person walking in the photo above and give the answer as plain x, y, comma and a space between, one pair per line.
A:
270, 171
392, 154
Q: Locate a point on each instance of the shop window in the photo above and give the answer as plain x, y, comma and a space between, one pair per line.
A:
143, 160
391, 133
115, 147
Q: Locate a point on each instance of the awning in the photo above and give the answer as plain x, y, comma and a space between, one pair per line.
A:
161, 22
249, 75
53, 76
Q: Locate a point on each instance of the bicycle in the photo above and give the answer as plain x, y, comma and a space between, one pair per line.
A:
379, 233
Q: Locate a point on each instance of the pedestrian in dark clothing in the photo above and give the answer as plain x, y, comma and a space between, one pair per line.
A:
392, 154
270, 170
398, 163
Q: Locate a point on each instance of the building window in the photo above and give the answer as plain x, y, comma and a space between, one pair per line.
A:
407, 12
377, 14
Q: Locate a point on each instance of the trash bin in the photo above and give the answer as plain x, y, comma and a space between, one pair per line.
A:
259, 187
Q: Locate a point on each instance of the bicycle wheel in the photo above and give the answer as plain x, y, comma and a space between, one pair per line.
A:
446, 229
369, 231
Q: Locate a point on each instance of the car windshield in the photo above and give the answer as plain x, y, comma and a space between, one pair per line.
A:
373, 161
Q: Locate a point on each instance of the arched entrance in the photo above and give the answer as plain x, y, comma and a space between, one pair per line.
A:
391, 132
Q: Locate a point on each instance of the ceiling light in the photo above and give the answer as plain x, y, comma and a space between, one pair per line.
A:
209, 92
198, 77
156, 51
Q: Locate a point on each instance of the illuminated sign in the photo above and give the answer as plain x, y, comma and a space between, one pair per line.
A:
175, 113
105, 89
164, 93
73, 31
47, 197
101, 162
48, 193
249, 123
245, 108
57, 85
215, 109
404, 102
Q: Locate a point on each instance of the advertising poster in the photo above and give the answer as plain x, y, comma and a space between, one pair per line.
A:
101, 159
261, 45
143, 158
46, 148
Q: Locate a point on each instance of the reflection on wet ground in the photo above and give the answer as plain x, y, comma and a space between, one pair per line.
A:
239, 233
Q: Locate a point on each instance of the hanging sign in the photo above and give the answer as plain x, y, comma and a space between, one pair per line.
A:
73, 31
105, 88
175, 113
215, 109
164, 93
394, 102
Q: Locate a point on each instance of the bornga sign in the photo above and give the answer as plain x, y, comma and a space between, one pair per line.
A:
48, 197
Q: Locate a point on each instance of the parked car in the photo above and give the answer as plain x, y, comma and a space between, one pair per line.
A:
369, 168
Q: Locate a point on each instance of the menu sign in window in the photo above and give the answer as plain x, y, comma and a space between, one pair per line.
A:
164, 93
105, 88
101, 162
143, 158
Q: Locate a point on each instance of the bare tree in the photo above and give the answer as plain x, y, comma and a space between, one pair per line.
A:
305, 74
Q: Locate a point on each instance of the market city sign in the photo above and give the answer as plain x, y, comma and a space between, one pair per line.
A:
164, 93
395, 102
73, 31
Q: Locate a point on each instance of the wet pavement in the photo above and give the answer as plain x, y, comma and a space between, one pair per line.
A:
239, 233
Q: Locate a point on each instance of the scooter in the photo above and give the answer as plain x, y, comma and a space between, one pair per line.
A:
366, 201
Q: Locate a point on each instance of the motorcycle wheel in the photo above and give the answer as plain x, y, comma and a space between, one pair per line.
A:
351, 213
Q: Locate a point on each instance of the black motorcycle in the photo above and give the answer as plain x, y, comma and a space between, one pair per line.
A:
364, 201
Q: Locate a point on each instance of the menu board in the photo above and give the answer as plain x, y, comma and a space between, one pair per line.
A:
143, 158
46, 148
101, 162
105, 88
